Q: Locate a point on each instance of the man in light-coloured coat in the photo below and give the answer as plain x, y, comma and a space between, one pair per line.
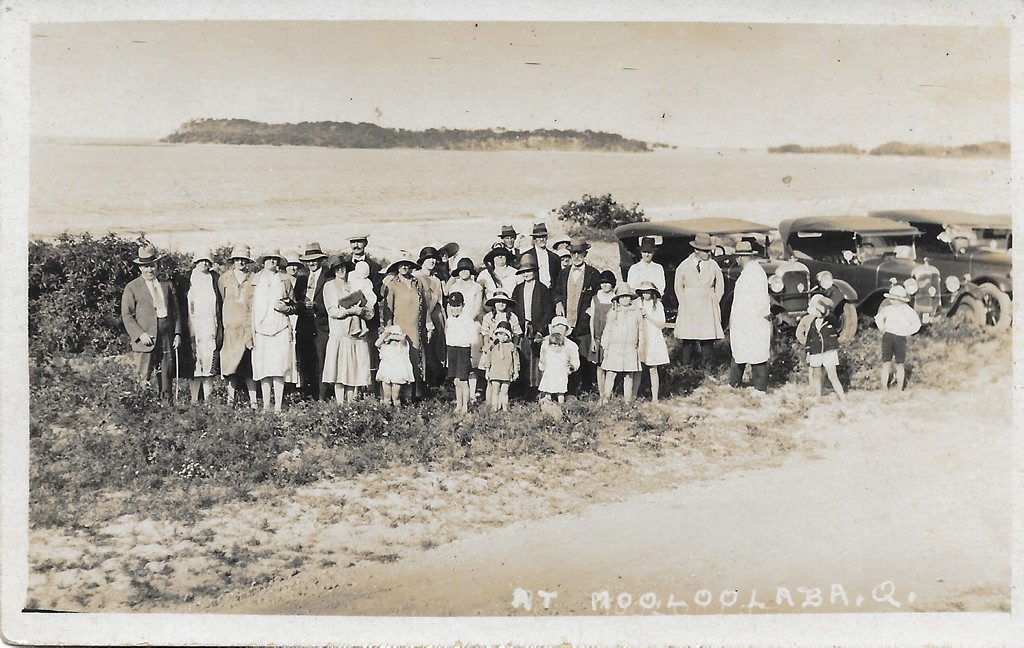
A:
149, 312
750, 325
699, 286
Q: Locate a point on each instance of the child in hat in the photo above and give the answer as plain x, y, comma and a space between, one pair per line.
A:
501, 361
822, 344
395, 368
654, 351
897, 321
559, 357
600, 305
461, 331
621, 341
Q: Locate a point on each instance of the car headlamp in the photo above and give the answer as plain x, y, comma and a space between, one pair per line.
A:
952, 283
776, 284
911, 286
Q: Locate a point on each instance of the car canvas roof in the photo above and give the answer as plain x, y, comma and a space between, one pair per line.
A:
858, 224
691, 227
947, 217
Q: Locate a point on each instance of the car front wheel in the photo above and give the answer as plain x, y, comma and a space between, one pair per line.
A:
998, 310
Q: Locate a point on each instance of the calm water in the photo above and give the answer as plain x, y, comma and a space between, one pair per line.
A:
184, 195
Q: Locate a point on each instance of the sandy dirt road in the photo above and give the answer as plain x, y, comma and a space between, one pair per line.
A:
901, 505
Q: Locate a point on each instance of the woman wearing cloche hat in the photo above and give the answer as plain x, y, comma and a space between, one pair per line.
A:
236, 291
621, 342
204, 325
272, 332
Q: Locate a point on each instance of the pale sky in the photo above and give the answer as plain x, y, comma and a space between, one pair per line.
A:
689, 84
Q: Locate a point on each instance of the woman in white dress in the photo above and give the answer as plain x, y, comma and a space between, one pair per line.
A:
203, 324
272, 333
347, 362
654, 351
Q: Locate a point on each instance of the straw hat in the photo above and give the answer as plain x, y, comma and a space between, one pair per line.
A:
359, 237
623, 289
563, 240
405, 257
273, 253
647, 286
899, 293
240, 252
203, 254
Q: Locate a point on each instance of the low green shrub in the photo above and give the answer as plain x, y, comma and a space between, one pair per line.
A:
594, 217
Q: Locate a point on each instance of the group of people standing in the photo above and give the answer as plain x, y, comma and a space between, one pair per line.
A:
527, 322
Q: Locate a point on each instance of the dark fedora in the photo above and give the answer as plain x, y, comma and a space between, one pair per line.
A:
540, 230
312, 253
647, 244
147, 255
508, 230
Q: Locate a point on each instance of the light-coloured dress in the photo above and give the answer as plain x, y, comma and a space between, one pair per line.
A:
556, 363
347, 361
236, 317
621, 339
750, 329
272, 332
642, 271
654, 351
395, 366
699, 292
202, 322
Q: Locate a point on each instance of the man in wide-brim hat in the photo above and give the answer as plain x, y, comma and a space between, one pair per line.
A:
312, 327
149, 313
750, 322
573, 293
534, 307
699, 286
548, 263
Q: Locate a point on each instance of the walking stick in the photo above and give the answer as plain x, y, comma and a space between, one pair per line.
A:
175, 376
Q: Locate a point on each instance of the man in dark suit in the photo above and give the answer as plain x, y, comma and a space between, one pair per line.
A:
548, 263
573, 293
149, 312
312, 327
535, 309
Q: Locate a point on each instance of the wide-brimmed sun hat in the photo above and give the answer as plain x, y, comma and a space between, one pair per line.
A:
563, 240
579, 244
405, 258
312, 252
147, 255
240, 252
337, 262
507, 230
449, 249
292, 260
702, 242
607, 276
527, 264
648, 286
498, 250
429, 252
647, 244
465, 263
744, 248
203, 254
899, 293
272, 253
623, 289
499, 296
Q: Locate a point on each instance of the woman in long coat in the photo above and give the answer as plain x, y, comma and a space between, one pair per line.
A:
204, 325
236, 288
405, 304
435, 351
699, 287
272, 331
347, 363
750, 325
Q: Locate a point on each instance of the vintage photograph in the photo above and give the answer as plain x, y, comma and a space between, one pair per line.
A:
519, 319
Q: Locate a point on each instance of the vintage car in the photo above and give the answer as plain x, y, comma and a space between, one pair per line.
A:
867, 256
789, 281
971, 249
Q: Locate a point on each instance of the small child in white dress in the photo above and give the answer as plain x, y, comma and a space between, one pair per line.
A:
395, 367
559, 357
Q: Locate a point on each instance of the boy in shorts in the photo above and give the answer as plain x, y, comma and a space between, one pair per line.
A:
897, 321
460, 331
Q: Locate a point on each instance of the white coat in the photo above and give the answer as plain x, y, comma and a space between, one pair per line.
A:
699, 294
750, 326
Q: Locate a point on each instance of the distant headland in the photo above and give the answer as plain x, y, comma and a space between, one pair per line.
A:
985, 149
371, 136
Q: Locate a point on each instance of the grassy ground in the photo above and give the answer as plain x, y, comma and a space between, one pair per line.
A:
140, 505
